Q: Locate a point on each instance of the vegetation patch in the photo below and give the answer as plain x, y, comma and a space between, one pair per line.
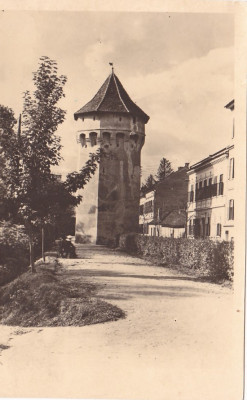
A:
13, 251
53, 297
208, 259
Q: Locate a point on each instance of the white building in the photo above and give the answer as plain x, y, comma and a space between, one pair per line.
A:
210, 208
147, 214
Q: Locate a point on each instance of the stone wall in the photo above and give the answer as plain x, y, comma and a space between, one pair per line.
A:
119, 188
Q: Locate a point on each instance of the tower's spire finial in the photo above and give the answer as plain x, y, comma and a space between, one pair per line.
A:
111, 64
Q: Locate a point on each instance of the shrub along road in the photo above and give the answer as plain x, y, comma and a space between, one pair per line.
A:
177, 340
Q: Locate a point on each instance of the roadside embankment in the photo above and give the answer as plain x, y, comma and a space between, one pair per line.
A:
53, 297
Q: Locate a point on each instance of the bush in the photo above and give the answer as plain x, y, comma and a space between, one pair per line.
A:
14, 251
204, 256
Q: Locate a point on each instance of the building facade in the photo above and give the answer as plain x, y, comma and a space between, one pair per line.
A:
211, 196
162, 210
210, 208
112, 122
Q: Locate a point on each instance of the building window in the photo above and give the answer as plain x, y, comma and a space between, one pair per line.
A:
148, 207
214, 187
141, 209
210, 187
191, 194
231, 168
231, 209
199, 194
134, 120
196, 192
207, 227
218, 230
221, 185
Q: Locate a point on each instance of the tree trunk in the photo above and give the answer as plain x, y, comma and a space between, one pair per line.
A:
43, 242
31, 250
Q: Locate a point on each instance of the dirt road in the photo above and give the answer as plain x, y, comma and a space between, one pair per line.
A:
176, 342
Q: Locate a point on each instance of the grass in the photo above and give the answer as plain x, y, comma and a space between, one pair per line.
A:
51, 297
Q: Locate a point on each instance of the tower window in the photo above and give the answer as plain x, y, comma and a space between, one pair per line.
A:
106, 137
93, 138
83, 139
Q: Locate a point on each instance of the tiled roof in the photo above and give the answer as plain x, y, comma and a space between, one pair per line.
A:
201, 164
112, 97
175, 219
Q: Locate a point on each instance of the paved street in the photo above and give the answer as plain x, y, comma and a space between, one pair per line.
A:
176, 342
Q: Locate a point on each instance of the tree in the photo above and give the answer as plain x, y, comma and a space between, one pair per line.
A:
148, 185
9, 160
33, 194
164, 169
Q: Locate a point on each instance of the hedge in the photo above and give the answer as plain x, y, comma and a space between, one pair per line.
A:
206, 257
14, 251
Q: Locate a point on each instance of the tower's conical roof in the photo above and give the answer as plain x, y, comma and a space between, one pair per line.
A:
112, 98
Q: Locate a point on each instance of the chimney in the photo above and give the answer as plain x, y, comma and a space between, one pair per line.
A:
187, 165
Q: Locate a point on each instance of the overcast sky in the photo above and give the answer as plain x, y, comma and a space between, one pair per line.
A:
177, 67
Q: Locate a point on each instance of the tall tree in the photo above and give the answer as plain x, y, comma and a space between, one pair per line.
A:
148, 185
32, 192
164, 169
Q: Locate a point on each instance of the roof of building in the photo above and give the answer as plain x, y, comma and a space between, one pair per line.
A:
167, 180
202, 163
173, 175
230, 105
113, 98
175, 219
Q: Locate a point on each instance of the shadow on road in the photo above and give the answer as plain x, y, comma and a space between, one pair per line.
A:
114, 285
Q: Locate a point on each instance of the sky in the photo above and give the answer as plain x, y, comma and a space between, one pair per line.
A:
178, 67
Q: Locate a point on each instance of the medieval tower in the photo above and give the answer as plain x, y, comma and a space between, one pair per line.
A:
113, 122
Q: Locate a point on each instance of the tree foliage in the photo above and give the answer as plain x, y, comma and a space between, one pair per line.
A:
32, 193
164, 169
148, 185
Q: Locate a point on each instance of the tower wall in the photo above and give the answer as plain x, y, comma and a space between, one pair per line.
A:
87, 211
116, 186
